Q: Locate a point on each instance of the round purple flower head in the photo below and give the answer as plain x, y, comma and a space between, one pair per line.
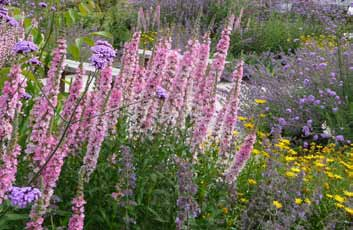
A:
282, 121
23, 47
34, 61
11, 21
103, 54
4, 2
22, 196
43, 4
340, 138
161, 93
3, 12
26, 96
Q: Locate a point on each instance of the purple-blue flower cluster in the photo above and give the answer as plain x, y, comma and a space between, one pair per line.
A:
34, 61
161, 93
4, 2
187, 206
22, 196
4, 16
24, 47
103, 54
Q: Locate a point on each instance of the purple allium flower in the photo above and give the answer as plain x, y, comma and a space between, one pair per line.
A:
315, 137
282, 121
331, 93
34, 61
306, 82
103, 54
322, 65
302, 101
187, 206
311, 98
340, 138
26, 96
325, 135
53, 8
335, 109
43, 4
161, 93
22, 196
4, 2
305, 144
309, 122
3, 12
289, 110
306, 130
23, 47
296, 118
317, 102
11, 21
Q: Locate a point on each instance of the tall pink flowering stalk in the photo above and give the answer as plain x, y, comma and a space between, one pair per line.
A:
89, 107
10, 104
240, 159
8, 169
171, 83
199, 80
130, 62
51, 173
99, 123
208, 97
78, 208
228, 122
8, 38
42, 142
233, 95
185, 71
69, 107
43, 109
96, 137
48, 181
154, 80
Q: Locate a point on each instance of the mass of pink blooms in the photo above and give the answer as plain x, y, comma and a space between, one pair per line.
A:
172, 87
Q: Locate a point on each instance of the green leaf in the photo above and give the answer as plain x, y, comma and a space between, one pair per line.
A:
156, 215
72, 15
89, 41
74, 51
91, 4
102, 34
83, 9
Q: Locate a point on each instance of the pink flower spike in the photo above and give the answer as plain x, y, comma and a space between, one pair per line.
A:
240, 159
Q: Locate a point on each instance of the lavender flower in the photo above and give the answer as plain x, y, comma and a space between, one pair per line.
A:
103, 54
43, 4
339, 138
22, 196
282, 121
34, 61
161, 93
26, 96
23, 47
4, 2
187, 206
125, 188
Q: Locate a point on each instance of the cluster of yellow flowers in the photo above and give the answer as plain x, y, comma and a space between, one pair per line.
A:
323, 41
331, 166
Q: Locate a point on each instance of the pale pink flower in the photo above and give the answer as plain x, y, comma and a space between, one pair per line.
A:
77, 219
43, 109
228, 122
8, 170
10, 101
240, 159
